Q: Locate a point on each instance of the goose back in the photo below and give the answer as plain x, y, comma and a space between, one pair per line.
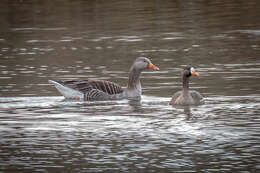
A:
86, 86
191, 98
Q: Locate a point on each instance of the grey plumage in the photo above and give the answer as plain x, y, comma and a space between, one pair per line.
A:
105, 90
93, 89
186, 96
191, 98
87, 85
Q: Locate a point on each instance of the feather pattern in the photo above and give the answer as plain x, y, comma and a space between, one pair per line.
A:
94, 89
105, 90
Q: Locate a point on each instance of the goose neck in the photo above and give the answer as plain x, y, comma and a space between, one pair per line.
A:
185, 83
134, 79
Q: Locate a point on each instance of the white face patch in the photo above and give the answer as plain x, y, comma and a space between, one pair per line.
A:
192, 70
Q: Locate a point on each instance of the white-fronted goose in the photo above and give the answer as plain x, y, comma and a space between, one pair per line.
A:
105, 90
186, 96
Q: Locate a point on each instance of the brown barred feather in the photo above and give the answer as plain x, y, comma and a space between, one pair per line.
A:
86, 86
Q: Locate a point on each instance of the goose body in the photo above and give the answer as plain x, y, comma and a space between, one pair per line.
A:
105, 90
88, 89
186, 96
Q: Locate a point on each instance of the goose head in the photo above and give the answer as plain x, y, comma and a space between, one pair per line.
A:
143, 63
190, 71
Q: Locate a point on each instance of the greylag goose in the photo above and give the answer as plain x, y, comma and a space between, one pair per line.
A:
186, 96
104, 90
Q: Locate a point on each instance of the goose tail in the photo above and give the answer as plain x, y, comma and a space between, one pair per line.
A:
66, 91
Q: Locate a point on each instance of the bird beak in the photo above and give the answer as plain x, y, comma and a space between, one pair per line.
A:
153, 67
194, 73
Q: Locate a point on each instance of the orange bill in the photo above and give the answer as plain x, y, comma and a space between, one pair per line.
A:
194, 73
153, 67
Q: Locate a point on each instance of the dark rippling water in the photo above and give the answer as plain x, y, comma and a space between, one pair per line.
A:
42, 40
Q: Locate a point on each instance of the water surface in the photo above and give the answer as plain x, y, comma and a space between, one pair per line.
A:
42, 132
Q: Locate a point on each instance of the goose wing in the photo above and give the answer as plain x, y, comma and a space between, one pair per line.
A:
86, 86
197, 97
175, 96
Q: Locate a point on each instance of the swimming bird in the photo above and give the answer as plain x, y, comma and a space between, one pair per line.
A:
186, 96
91, 89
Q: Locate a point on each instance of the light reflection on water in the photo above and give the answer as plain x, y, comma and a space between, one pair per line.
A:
42, 132
143, 134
